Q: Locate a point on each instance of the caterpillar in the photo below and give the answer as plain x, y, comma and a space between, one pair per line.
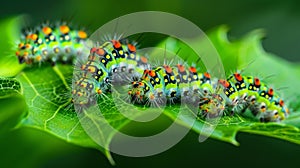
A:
247, 92
51, 43
114, 61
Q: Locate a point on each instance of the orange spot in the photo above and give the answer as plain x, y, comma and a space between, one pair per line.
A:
64, 29
152, 73
193, 69
256, 82
238, 76
25, 54
32, 36
100, 51
17, 53
180, 68
144, 59
83, 67
82, 34
271, 91
131, 48
138, 93
28, 46
20, 45
168, 69
38, 58
116, 43
151, 97
47, 30
207, 75
141, 84
99, 91
224, 83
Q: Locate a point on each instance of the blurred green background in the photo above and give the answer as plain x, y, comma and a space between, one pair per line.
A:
281, 19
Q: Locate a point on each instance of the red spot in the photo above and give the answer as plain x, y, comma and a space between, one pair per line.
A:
131, 48
256, 82
238, 76
281, 103
93, 50
207, 75
223, 82
271, 92
116, 43
193, 69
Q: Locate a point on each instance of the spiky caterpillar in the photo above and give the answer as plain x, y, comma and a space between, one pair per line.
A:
51, 43
117, 62
248, 92
245, 95
114, 61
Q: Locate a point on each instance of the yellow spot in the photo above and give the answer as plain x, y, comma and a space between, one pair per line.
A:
231, 89
152, 82
172, 78
114, 54
45, 52
184, 77
40, 41
226, 93
267, 96
83, 85
156, 79
56, 50
195, 76
103, 61
35, 50
147, 88
121, 52
250, 87
67, 37
237, 86
132, 56
166, 80
38, 58
51, 37
91, 69
107, 56
262, 93
243, 85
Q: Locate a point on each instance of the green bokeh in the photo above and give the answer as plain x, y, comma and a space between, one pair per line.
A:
281, 19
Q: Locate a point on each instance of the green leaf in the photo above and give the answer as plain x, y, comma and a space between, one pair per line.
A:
10, 29
13, 107
48, 96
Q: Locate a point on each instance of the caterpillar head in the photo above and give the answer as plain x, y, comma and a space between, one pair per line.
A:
23, 53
